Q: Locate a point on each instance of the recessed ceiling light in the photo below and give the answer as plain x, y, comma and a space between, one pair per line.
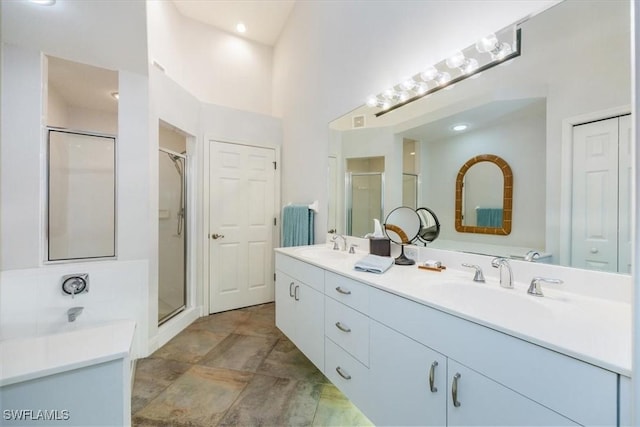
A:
241, 28
115, 95
44, 2
459, 128
413, 153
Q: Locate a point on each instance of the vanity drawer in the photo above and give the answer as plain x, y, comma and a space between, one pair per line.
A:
347, 328
346, 373
300, 270
347, 291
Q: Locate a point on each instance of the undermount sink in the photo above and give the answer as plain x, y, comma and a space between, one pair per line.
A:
323, 252
511, 302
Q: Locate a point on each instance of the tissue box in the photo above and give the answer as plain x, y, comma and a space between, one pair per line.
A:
380, 246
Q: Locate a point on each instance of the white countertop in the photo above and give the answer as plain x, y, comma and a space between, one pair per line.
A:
25, 359
594, 330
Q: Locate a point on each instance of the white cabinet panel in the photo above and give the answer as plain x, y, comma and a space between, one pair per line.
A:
625, 401
409, 381
349, 375
306, 273
347, 291
300, 316
348, 328
480, 401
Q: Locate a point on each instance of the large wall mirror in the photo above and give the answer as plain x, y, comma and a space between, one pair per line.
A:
574, 69
82, 120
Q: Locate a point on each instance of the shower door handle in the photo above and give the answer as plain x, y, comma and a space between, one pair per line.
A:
217, 236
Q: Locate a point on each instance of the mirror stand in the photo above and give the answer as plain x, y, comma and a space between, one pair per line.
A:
402, 259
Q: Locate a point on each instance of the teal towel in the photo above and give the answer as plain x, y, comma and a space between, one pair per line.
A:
488, 217
297, 226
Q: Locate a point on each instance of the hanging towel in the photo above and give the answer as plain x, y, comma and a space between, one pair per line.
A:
374, 264
488, 217
297, 226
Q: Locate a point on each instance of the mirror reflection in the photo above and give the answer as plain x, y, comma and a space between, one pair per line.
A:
82, 120
402, 226
429, 225
574, 69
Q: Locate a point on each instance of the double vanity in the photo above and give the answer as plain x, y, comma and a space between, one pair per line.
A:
420, 347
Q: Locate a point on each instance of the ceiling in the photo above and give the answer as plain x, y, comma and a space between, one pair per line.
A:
264, 19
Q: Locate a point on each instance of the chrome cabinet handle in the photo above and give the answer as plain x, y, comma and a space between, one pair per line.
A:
291, 289
342, 327
454, 390
295, 293
343, 373
343, 291
432, 377
217, 236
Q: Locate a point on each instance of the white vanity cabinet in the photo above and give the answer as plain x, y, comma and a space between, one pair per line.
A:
403, 362
300, 306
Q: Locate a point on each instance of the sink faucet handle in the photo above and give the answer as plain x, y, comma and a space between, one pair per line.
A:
352, 249
478, 276
535, 288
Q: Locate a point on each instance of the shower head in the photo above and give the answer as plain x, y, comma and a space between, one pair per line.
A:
176, 162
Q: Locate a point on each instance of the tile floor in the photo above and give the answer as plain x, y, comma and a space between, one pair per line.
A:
236, 369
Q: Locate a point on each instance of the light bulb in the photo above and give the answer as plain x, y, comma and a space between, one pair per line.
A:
386, 105
430, 73
460, 127
487, 44
372, 101
409, 84
470, 65
44, 2
422, 88
501, 51
456, 60
389, 93
443, 78
404, 96
241, 28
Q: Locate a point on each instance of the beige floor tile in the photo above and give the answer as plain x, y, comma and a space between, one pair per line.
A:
200, 397
239, 352
190, 345
334, 409
286, 361
152, 376
225, 322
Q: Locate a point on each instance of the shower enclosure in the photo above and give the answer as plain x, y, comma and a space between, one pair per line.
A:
364, 201
172, 239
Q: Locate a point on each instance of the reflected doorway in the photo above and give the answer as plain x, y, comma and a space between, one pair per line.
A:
365, 201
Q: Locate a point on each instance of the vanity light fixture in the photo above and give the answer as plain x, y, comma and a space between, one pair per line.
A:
44, 2
471, 61
115, 95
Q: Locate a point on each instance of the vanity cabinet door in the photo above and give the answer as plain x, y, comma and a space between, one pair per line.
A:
300, 316
474, 399
408, 380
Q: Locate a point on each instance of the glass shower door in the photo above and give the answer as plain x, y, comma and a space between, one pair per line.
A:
364, 201
171, 234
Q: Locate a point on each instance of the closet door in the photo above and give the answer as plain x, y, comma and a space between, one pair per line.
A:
594, 233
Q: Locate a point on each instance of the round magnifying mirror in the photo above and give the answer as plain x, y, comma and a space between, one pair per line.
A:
429, 225
402, 227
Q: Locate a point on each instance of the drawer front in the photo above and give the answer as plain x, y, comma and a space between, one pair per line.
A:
347, 291
582, 392
347, 328
300, 270
346, 373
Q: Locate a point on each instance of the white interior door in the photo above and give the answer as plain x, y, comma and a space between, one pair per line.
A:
241, 225
594, 233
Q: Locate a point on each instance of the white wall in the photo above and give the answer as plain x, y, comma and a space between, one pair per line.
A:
358, 48
214, 66
101, 33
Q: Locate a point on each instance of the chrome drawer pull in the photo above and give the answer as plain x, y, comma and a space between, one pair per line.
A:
290, 289
342, 291
432, 377
342, 327
454, 390
343, 373
295, 293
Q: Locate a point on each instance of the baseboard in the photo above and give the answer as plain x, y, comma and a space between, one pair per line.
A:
173, 327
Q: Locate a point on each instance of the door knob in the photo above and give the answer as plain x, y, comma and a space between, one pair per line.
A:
217, 236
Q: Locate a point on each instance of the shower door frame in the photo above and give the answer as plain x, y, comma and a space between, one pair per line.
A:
348, 183
185, 246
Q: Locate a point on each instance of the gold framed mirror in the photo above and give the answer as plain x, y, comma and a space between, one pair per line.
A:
489, 218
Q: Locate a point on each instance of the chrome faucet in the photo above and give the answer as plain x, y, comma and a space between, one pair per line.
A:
74, 312
336, 246
478, 276
506, 274
535, 287
532, 256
